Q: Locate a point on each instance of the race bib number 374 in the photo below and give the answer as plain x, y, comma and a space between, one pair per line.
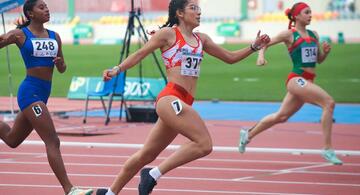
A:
44, 47
190, 65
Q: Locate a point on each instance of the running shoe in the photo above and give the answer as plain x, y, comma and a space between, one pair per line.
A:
101, 191
330, 156
244, 139
78, 191
147, 182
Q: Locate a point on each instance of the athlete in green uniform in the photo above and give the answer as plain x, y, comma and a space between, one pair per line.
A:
305, 52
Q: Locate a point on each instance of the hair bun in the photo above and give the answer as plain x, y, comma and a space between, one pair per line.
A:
287, 12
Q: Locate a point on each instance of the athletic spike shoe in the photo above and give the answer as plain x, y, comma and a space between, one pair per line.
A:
330, 156
147, 182
244, 139
101, 191
78, 191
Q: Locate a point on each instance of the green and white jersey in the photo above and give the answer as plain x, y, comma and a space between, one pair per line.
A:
304, 51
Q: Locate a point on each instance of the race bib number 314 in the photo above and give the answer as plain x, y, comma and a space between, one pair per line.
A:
44, 47
309, 54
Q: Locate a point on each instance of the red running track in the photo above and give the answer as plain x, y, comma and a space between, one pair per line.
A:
25, 170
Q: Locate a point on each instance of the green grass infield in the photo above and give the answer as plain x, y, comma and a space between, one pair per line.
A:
339, 75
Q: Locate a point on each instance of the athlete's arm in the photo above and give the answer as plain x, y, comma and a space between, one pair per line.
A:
282, 37
158, 40
11, 37
326, 48
231, 57
59, 60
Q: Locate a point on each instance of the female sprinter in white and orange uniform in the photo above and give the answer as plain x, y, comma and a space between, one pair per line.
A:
305, 52
188, 58
182, 52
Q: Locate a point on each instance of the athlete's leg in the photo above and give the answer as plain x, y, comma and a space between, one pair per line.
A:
159, 138
289, 106
312, 93
39, 116
169, 125
14, 136
189, 124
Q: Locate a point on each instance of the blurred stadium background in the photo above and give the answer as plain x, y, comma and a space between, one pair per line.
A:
93, 32
97, 21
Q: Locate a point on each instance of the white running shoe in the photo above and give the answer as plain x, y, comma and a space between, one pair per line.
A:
78, 191
244, 139
330, 156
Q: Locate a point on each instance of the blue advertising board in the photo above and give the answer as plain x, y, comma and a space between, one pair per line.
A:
147, 90
6, 5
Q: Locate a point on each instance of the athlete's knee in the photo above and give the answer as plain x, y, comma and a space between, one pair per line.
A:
5, 129
281, 118
204, 147
330, 104
13, 144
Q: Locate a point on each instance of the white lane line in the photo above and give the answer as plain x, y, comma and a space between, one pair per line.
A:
162, 158
283, 171
302, 183
39, 155
156, 189
194, 179
267, 171
215, 148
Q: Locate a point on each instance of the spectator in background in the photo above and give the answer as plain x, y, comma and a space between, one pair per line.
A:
350, 4
280, 5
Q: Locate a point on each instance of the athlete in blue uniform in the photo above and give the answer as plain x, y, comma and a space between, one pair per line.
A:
41, 51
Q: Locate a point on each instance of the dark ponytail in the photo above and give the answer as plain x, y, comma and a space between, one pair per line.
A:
289, 15
174, 5
28, 6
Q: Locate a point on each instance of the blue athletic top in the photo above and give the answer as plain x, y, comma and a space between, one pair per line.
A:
39, 51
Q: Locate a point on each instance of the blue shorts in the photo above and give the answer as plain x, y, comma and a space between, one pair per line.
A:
32, 90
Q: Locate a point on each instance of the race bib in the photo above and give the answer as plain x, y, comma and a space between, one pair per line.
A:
44, 47
37, 110
301, 82
309, 54
190, 65
176, 104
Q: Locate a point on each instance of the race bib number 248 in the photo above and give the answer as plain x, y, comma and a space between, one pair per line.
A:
44, 47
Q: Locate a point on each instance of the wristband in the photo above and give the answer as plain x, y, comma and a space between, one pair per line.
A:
117, 69
254, 48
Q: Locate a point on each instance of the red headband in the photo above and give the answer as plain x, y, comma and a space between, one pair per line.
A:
296, 11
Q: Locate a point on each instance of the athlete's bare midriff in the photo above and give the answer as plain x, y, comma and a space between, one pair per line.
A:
187, 82
309, 69
44, 73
